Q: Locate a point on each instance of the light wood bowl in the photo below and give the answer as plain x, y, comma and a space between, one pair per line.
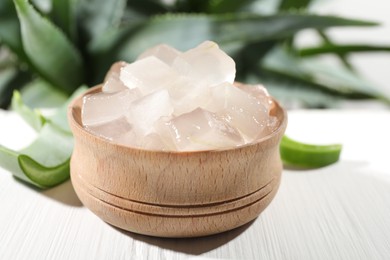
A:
174, 194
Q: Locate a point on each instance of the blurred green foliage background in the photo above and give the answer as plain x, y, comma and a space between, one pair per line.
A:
48, 48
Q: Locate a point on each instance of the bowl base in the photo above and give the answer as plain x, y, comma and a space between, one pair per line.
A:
172, 220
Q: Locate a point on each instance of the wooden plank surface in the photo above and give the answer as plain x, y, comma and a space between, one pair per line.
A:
337, 212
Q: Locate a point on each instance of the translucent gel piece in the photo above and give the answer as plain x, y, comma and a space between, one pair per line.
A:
144, 112
240, 109
111, 130
186, 95
163, 52
202, 130
148, 75
259, 92
112, 83
206, 64
103, 107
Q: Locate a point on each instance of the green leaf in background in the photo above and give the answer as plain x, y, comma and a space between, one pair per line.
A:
63, 14
332, 79
342, 57
41, 94
293, 4
247, 58
294, 92
32, 116
99, 16
211, 7
59, 118
341, 49
65, 43
342, 79
45, 162
301, 155
11, 78
142, 9
50, 52
223, 29
184, 31
43, 6
226, 6
10, 28
191, 6
6, 76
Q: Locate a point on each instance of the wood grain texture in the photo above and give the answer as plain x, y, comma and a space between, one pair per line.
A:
337, 212
174, 194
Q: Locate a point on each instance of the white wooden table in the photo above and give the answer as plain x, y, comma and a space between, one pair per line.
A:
337, 212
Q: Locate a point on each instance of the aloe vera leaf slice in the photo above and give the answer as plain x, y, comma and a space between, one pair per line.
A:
303, 155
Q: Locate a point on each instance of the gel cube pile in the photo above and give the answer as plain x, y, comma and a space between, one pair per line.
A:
178, 101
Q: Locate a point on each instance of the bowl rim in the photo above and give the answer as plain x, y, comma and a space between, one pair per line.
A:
96, 89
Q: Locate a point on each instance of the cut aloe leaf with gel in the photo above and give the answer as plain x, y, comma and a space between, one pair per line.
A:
302, 155
45, 162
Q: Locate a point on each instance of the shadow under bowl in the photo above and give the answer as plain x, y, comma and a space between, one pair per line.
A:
174, 194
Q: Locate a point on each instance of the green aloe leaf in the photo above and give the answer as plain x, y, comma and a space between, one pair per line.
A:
98, 16
248, 57
32, 116
48, 49
286, 5
302, 155
145, 8
41, 94
52, 147
10, 34
227, 6
224, 29
59, 118
9, 161
63, 14
184, 31
294, 92
293, 4
10, 28
188, 6
105, 47
6, 76
342, 57
11, 78
341, 49
263, 7
46, 177
335, 78
43, 6
45, 162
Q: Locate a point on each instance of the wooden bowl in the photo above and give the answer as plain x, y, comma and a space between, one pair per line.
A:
174, 194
